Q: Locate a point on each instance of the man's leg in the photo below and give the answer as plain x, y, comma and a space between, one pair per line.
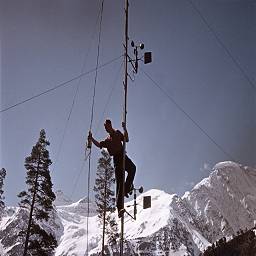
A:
119, 178
131, 169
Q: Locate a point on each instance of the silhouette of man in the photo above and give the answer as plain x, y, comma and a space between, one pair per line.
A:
114, 144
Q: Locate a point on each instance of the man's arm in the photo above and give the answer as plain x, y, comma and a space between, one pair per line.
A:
126, 136
95, 142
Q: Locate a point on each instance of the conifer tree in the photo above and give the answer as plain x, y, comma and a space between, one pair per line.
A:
104, 197
2, 204
38, 199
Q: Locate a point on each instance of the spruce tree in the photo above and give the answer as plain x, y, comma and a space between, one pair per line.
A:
38, 199
2, 177
104, 197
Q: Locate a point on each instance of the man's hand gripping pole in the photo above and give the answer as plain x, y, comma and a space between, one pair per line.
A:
89, 141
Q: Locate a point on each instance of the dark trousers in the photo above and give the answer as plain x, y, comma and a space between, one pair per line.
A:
130, 168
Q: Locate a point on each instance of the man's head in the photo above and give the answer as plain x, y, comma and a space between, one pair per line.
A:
108, 125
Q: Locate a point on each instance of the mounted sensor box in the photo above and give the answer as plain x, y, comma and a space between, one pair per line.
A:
147, 57
146, 202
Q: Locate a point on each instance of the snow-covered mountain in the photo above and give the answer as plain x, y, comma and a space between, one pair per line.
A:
62, 199
218, 206
15, 220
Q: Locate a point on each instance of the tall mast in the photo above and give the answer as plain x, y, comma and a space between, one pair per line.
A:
134, 62
124, 119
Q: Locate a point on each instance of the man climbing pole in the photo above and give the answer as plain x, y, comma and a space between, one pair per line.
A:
113, 143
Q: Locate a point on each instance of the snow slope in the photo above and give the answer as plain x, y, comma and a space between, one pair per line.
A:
74, 239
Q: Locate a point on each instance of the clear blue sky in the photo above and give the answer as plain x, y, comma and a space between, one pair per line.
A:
203, 60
